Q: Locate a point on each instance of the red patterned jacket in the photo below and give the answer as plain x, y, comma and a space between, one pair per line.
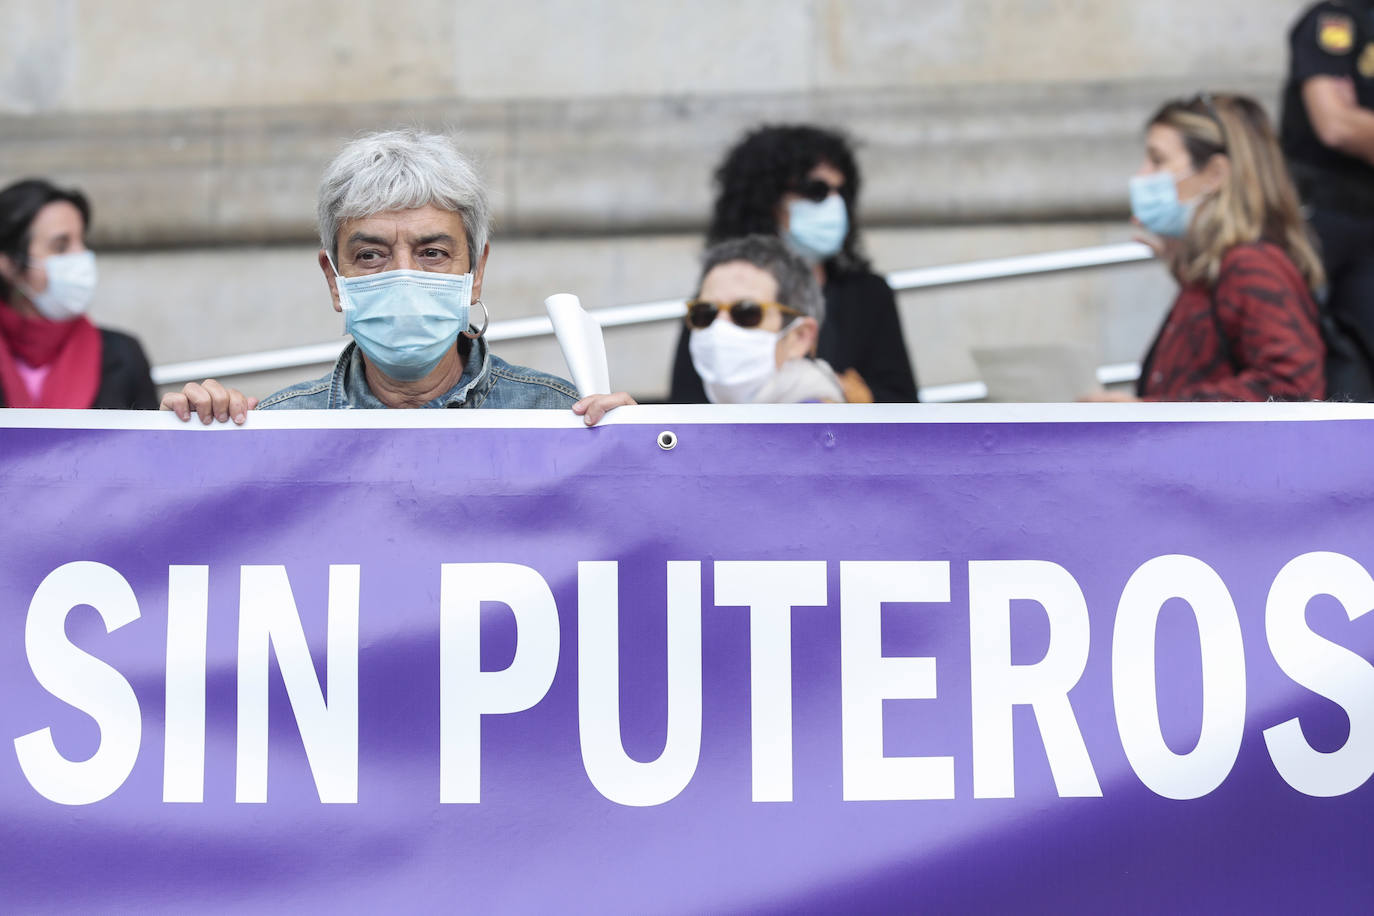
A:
1271, 349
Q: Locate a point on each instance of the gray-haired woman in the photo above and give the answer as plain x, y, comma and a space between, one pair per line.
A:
403, 225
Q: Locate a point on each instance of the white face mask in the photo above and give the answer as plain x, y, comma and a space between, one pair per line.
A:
71, 284
734, 362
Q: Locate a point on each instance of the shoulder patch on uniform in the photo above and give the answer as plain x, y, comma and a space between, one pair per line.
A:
1335, 33
1366, 62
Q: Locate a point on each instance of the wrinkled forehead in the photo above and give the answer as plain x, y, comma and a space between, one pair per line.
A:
736, 280
403, 227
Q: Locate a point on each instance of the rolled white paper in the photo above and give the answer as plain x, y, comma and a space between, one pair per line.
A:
584, 349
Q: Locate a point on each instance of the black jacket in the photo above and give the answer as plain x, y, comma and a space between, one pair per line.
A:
126, 382
861, 331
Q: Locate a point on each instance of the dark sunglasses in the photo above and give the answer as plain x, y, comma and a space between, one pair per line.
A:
746, 313
814, 189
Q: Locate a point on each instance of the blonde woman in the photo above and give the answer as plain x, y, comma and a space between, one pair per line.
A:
1221, 210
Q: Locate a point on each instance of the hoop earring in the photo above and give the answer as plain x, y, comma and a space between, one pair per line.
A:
486, 318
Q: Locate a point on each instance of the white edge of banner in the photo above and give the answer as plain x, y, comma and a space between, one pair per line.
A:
665, 415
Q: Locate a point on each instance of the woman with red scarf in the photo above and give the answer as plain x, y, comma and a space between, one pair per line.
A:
50, 353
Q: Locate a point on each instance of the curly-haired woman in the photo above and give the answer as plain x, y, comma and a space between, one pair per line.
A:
801, 183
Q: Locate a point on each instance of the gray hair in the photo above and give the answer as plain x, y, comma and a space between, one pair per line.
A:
797, 286
402, 170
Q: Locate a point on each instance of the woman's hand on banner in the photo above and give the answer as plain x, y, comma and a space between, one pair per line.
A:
595, 406
210, 401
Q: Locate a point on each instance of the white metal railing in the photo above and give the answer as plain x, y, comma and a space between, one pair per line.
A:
671, 309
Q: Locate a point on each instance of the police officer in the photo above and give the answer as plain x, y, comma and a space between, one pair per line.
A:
1328, 137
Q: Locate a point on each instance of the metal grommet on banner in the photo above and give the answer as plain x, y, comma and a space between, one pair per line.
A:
667, 440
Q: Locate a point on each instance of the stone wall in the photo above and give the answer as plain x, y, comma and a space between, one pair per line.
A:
137, 55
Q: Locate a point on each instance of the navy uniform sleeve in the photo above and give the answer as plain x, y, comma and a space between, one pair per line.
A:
1324, 42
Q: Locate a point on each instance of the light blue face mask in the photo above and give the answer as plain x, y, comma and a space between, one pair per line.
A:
1154, 201
405, 320
816, 231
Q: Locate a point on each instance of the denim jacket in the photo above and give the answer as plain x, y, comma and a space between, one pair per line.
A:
487, 381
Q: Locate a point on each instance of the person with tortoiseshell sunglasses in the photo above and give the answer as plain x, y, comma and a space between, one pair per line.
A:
801, 184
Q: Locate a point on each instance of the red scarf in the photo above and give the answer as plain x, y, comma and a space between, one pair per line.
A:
70, 350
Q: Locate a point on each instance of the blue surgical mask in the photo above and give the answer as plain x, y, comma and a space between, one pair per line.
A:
816, 231
405, 320
1154, 201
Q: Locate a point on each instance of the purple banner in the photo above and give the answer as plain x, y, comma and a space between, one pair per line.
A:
780, 666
